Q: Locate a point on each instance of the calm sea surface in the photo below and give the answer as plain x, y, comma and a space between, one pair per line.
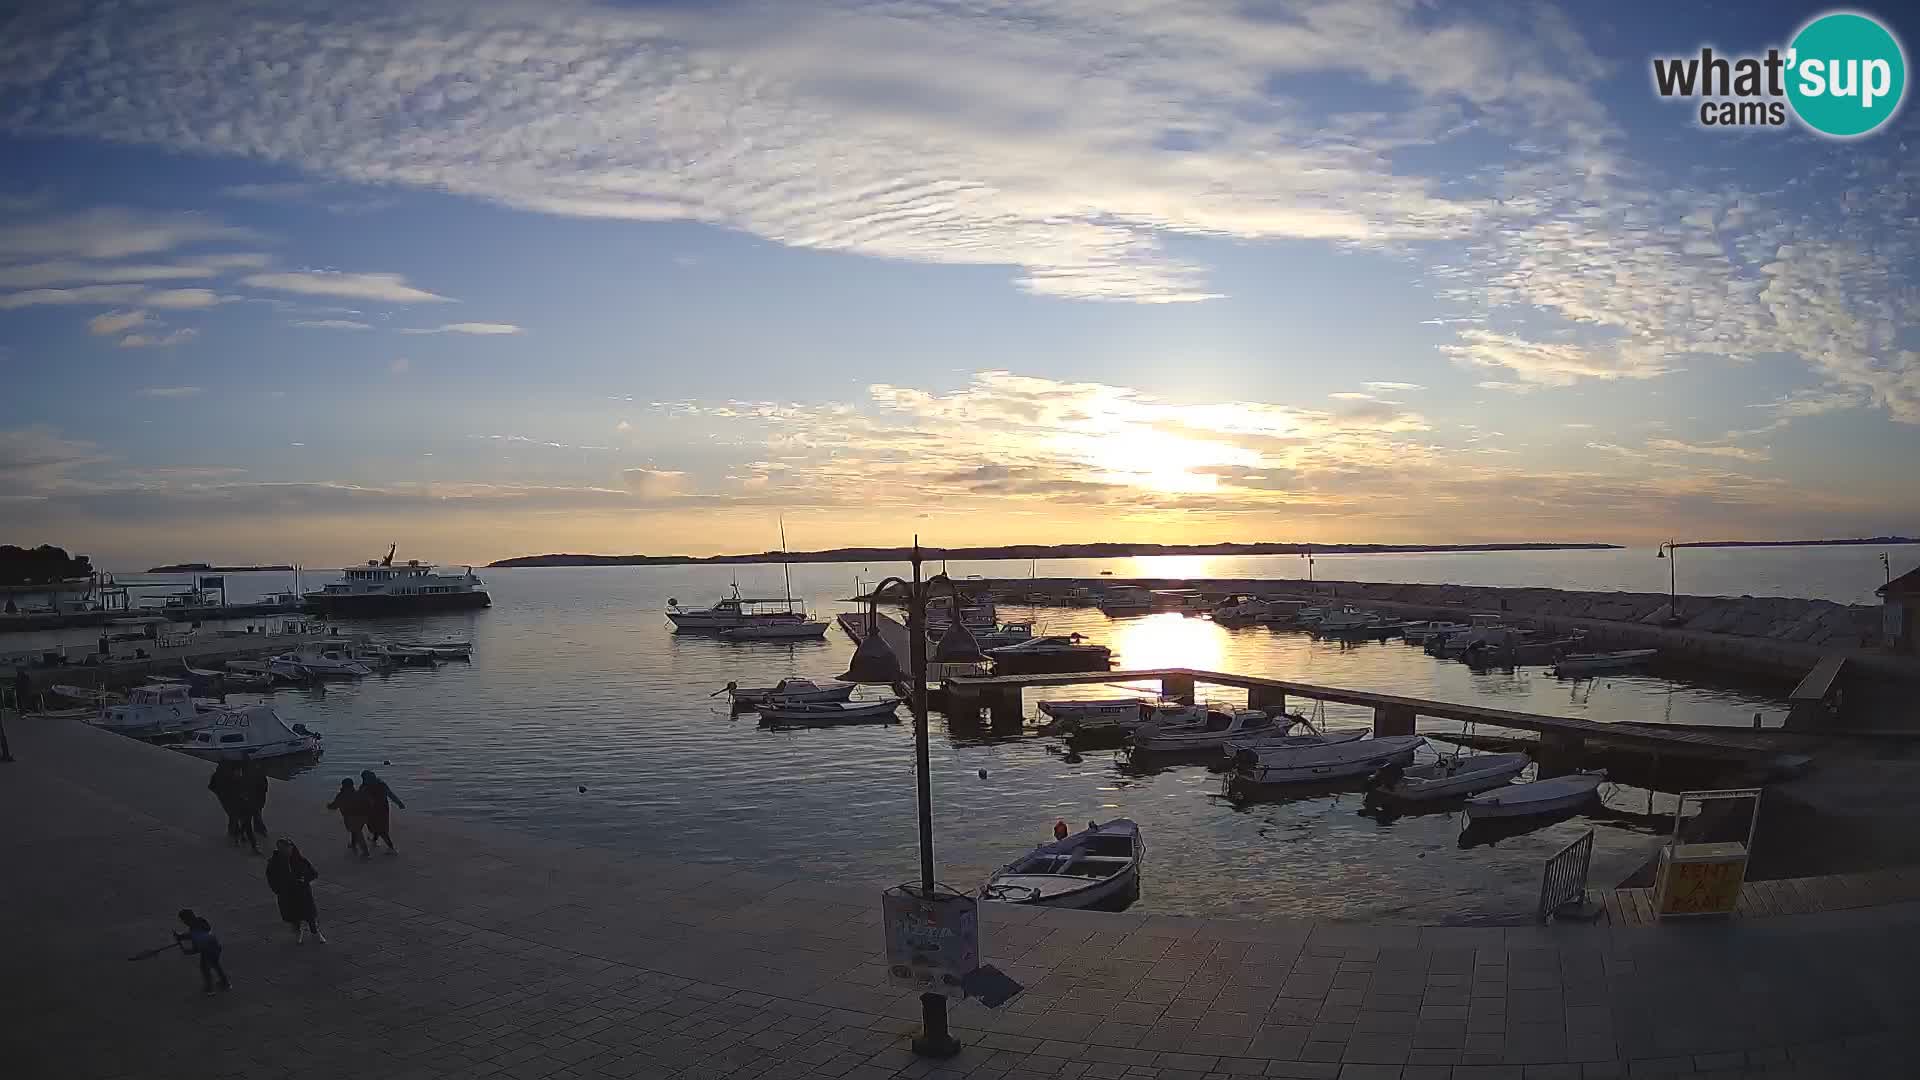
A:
577, 681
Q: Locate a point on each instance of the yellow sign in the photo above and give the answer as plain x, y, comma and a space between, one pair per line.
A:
1702, 888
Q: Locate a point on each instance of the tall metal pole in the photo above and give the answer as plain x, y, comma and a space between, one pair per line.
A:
1673, 578
934, 1041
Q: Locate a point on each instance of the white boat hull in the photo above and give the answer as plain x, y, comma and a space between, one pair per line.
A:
1549, 796
783, 631
1047, 877
1468, 776
1338, 762
826, 714
790, 691
1601, 663
1256, 743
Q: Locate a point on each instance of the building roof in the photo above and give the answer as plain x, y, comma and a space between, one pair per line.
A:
1907, 584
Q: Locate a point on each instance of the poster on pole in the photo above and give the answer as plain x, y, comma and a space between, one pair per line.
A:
932, 945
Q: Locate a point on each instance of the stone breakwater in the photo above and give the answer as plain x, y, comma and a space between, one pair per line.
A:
1773, 635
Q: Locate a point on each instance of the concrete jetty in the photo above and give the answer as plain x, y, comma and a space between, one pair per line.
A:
126, 668
485, 952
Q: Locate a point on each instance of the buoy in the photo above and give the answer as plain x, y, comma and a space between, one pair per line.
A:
583, 789
1059, 830
983, 774
384, 761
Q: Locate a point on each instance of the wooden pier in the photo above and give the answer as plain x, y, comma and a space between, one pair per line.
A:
1392, 713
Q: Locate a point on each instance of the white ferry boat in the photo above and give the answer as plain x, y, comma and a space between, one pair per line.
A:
381, 588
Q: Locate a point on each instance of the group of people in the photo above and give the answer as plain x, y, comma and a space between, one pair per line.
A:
242, 790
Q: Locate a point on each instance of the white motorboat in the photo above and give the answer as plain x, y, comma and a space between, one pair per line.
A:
734, 611
1049, 654
1540, 797
84, 693
1450, 777
1282, 738
249, 733
790, 690
1417, 633
977, 613
1096, 867
1350, 622
1601, 663
317, 660
1012, 633
1126, 600
1208, 732
1098, 714
777, 631
827, 713
1313, 764
154, 709
1240, 609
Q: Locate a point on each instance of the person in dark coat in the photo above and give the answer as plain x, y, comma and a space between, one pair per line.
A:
290, 876
375, 793
353, 812
226, 785
253, 778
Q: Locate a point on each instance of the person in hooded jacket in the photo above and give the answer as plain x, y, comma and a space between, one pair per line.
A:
291, 876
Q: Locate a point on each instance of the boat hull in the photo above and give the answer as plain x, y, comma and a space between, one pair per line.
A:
1421, 789
1574, 793
1309, 767
1051, 663
374, 605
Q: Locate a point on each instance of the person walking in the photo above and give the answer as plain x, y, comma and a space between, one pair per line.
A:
353, 813
290, 876
227, 786
253, 777
199, 939
375, 793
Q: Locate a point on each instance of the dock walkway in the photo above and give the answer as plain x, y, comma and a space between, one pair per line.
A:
480, 951
1396, 714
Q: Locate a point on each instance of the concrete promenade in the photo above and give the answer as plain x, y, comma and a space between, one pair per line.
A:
480, 952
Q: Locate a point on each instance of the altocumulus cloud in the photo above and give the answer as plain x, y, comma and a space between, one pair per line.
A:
391, 288
479, 328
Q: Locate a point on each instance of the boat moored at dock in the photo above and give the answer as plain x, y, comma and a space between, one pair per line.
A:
250, 733
1098, 867
381, 588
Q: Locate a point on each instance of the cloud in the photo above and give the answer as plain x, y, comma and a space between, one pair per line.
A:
1069, 140
623, 426
1737, 453
39, 274
182, 298
115, 322
389, 288
399, 366
1577, 426
300, 193
484, 328
332, 324
653, 483
1393, 387
160, 341
110, 232
1351, 396
33, 459
1550, 364
97, 295
169, 391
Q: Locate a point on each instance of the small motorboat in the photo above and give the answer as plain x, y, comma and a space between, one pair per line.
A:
318, 661
1603, 662
1096, 867
1548, 796
1449, 777
1050, 654
777, 631
249, 733
1262, 765
827, 713
1011, 633
1281, 737
1208, 732
1070, 717
1241, 610
788, 691
440, 650
151, 710
84, 693
1417, 633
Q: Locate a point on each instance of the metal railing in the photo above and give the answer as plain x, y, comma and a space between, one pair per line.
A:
1565, 879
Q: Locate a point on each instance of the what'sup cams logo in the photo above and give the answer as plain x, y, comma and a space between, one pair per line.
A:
1844, 75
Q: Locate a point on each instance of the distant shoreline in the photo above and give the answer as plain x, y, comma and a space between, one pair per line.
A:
1028, 551
1862, 541
203, 568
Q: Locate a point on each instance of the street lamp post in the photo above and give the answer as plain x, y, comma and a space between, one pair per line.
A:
1669, 552
874, 662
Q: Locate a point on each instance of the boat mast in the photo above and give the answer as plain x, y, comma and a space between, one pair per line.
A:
786, 568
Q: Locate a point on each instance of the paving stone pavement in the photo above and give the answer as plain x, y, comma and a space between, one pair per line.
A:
485, 952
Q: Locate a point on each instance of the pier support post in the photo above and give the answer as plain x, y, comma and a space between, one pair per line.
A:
963, 709
1004, 707
1267, 699
1177, 687
1392, 720
1560, 753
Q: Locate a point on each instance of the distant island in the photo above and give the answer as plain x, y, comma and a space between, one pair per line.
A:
1027, 551
203, 568
1799, 543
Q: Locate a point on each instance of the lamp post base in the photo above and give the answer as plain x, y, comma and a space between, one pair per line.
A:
933, 1040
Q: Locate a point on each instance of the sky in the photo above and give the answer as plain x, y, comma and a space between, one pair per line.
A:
293, 281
